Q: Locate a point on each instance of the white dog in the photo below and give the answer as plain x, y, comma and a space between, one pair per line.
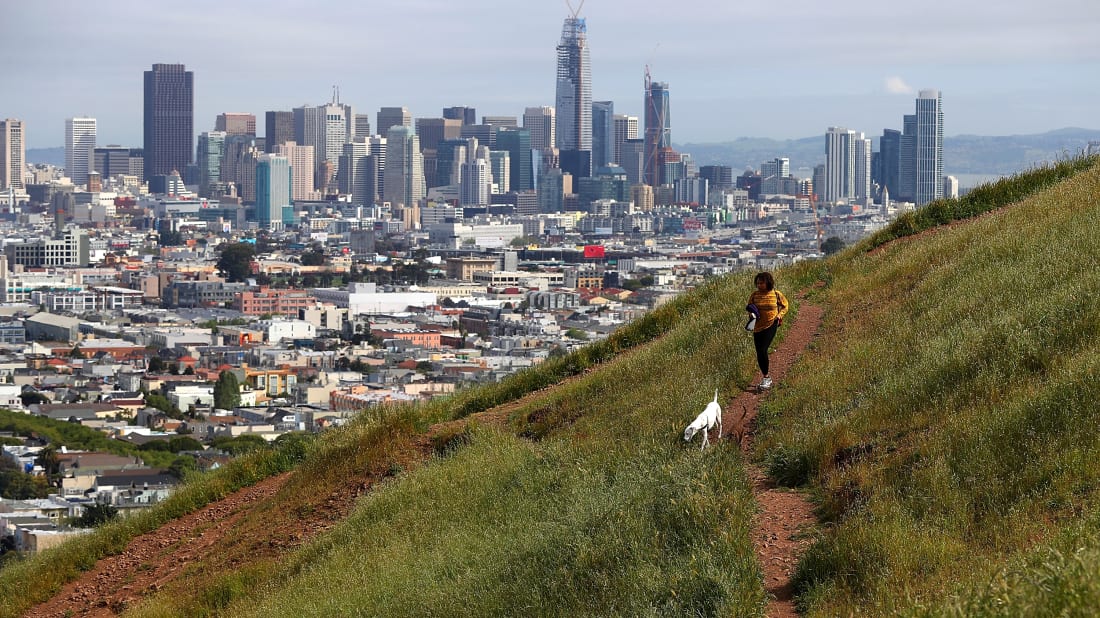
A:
707, 419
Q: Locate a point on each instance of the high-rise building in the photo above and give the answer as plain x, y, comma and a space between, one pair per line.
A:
889, 146
626, 127
573, 100
362, 126
861, 175
404, 174
431, 131
518, 144
236, 123
392, 117
273, 182
113, 160
326, 128
450, 155
928, 157
603, 133
539, 121
847, 165
468, 115
279, 129
500, 165
950, 186
839, 163
718, 177
169, 119
907, 161
658, 129
302, 161
13, 141
500, 121
211, 150
477, 180
378, 160
79, 148
355, 171
642, 197
632, 159
551, 191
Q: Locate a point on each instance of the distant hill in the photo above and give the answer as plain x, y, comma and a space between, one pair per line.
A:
47, 156
962, 154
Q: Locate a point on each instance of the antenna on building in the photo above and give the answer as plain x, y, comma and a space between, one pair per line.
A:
575, 12
335, 94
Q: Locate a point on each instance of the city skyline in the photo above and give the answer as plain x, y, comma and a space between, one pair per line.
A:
1016, 71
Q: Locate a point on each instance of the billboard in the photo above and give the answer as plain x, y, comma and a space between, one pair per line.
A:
593, 251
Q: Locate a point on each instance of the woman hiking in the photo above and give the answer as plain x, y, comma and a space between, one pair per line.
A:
768, 306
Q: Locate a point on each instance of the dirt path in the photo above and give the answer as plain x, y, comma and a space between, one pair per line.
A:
784, 515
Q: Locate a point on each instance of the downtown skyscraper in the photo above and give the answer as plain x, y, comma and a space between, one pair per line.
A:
79, 148
847, 165
658, 129
573, 98
12, 154
928, 147
169, 119
404, 168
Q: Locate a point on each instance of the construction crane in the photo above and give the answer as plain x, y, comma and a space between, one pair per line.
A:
818, 232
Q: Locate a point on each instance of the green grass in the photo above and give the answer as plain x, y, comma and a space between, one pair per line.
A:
947, 417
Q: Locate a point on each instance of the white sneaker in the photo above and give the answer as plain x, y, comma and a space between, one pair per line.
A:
766, 383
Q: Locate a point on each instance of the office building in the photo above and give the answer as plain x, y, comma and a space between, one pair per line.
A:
326, 128
468, 115
169, 119
302, 161
573, 97
113, 160
500, 165
889, 161
477, 180
928, 143
71, 247
658, 130
432, 131
907, 161
79, 149
279, 129
389, 117
603, 133
847, 165
355, 176
404, 169
642, 197
362, 126
632, 159
12, 154
273, 187
539, 122
211, 151
551, 191
236, 123
500, 121
950, 187
719, 177
626, 127
518, 144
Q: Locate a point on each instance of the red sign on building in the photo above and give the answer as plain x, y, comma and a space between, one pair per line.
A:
593, 251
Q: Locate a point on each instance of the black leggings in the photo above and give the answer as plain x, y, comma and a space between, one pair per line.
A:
763, 339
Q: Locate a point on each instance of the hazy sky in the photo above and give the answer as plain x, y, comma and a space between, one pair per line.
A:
734, 68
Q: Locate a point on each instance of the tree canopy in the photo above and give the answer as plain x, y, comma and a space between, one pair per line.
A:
235, 262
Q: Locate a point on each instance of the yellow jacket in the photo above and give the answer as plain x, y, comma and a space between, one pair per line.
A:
772, 305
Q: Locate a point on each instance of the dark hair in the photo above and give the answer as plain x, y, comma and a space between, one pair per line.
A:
767, 278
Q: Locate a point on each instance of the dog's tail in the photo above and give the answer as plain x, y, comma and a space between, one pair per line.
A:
715, 395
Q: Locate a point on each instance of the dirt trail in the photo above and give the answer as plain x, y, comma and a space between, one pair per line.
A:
785, 515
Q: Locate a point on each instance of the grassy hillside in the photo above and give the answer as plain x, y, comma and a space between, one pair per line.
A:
948, 417
945, 419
